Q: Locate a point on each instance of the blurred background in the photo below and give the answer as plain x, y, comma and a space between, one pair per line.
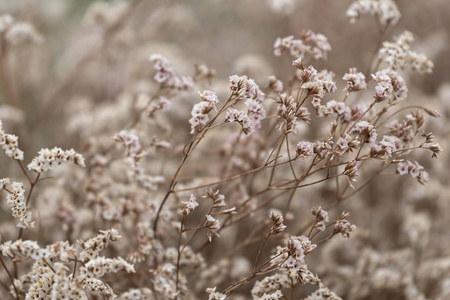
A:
82, 54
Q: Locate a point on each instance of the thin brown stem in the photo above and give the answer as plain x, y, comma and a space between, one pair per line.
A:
10, 278
255, 266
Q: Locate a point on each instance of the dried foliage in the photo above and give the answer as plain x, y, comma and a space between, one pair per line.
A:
281, 182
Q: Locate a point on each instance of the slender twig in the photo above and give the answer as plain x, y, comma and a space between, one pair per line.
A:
10, 278
180, 234
255, 266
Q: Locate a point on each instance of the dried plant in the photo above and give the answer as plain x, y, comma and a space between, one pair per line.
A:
199, 187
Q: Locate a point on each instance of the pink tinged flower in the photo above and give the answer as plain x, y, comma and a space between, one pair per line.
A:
305, 150
342, 143
209, 96
164, 103
423, 177
402, 168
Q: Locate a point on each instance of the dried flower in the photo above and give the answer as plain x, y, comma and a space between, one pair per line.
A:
218, 199
189, 205
275, 85
10, 144
398, 54
356, 81
321, 218
305, 150
209, 96
351, 171
385, 10
93, 246
16, 200
47, 159
414, 169
213, 225
343, 226
310, 43
277, 222
213, 295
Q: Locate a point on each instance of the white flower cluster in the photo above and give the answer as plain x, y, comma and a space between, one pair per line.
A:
209, 96
356, 81
137, 294
234, 115
403, 130
163, 281
323, 293
49, 277
346, 143
62, 251
131, 141
23, 249
339, 108
277, 295
4, 182
317, 84
386, 147
287, 109
343, 226
16, 33
16, 200
100, 266
385, 10
293, 261
213, 225
47, 159
277, 222
166, 77
398, 54
310, 43
93, 246
246, 89
270, 284
366, 131
390, 86
414, 169
323, 148
189, 205
305, 150
63, 286
42, 285
200, 110
10, 144
213, 295
321, 218
99, 287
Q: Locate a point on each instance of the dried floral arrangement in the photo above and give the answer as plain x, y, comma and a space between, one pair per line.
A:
170, 199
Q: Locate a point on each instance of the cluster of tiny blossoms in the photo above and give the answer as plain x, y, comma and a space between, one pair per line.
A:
200, 110
310, 43
49, 277
398, 54
385, 10
165, 75
16, 199
10, 144
47, 159
245, 89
